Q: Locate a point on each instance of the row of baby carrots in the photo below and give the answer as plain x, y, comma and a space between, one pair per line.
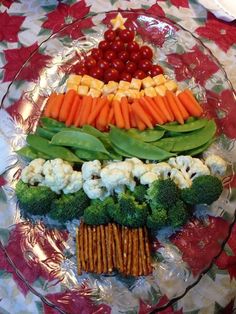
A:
141, 113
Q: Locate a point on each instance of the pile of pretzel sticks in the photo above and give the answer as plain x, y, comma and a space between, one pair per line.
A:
104, 248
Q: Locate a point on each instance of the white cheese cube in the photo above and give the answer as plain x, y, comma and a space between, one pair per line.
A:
124, 85
148, 82
94, 92
86, 80
119, 95
161, 90
159, 79
135, 84
150, 91
171, 85
71, 86
132, 94
97, 84
75, 79
110, 88
83, 90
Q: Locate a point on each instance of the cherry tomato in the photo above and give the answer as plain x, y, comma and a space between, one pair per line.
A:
135, 56
96, 53
90, 62
110, 55
103, 64
130, 67
117, 45
133, 46
111, 74
125, 76
118, 65
96, 72
110, 35
126, 35
104, 45
146, 52
145, 65
139, 74
81, 70
156, 70
123, 56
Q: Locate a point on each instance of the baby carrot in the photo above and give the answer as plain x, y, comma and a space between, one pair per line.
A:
141, 126
174, 108
132, 117
153, 110
87, 100
49, 105
66, 105
110, 116
57, 106
94, 113
182, 110
73, 110
168, 108
125, 111
138, 110
161, 105
102, 119
120, 123
194, 102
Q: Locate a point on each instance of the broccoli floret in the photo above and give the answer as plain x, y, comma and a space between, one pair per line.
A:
178, 214
69, 206
162, 193
139, 193
128, 212
35, 200
97, 212
204, 190
157, 219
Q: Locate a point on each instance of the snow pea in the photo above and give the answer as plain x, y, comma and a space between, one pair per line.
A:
44, 132
90, 155
187, 127
146, 136
80, 140
189, 141
29, 153
42, 145
52, 124
120, 152
93, 131
135, 147
199, 150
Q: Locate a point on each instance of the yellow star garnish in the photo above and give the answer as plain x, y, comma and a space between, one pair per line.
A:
118, 22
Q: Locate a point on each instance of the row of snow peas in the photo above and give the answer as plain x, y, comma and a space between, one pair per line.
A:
53, 139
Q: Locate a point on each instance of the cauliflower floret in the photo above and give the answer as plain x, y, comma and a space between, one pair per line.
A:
217, 165
182, 163
148, 177
179, 179
95, 189
134, 160
121, 165
114, 179
90, 169
57, 174
139, 169
33, 172
162, 169
75, 183
198, 169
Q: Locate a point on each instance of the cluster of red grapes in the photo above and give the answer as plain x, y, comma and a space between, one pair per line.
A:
119, 57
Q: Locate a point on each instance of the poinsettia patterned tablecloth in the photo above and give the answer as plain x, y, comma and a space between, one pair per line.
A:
23, 26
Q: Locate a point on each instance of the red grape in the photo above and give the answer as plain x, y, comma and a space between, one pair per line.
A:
109, 55
118, 65
133, 46
130, 67
90, 62
104, 45
126, 35
156, 70
123, 55
96, 72
139, 74
103, 64
126, 77
145, 65
146, 52
135, 56
96, 53
110, 35
111, 74
117, 45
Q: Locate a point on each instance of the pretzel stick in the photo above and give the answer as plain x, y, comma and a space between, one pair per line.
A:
125, 248
78, 251
128, 271
104, 255
95, 249
142, 253
86, 247
99, 269
109, 248
147, 249
90, 244
81, 245
135, 253
113, 248
118, 248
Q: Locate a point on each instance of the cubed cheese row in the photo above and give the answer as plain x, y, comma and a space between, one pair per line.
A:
149, 86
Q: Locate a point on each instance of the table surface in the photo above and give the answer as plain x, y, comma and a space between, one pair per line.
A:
23, 26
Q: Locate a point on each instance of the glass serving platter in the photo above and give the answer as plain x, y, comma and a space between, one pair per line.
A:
42, 254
